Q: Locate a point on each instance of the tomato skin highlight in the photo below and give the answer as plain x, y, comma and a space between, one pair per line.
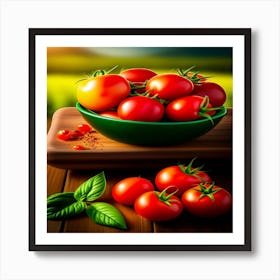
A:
169, 86
63, 134
141, 108
129, 189
205, 206
102, 92
217, 95
186, 108
174, 176
149, 206
78, 147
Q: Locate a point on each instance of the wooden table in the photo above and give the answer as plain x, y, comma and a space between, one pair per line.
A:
67, 169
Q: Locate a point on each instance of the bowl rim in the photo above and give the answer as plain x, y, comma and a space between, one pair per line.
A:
222, 111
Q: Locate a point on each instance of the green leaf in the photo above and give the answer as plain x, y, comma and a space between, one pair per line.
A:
91, 189
61, 211
107, 215
60, 199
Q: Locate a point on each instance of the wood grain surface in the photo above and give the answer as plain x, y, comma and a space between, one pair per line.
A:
60, 180
103, 152
67, 169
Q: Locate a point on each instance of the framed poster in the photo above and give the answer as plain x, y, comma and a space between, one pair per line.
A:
169, 168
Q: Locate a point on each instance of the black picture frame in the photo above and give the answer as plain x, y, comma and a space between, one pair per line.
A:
244, 32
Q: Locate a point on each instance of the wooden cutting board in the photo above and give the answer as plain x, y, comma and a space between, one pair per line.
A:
102, 152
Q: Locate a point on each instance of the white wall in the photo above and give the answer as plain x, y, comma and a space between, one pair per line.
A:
17, 262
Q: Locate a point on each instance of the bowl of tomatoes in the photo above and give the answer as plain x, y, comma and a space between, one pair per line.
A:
141, 107
149, 133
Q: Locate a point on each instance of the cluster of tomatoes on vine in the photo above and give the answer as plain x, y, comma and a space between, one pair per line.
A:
177, 187
140, 94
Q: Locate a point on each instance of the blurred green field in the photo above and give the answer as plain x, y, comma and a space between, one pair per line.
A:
86, 63
61, 87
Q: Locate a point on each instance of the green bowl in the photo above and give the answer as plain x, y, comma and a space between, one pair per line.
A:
150, 133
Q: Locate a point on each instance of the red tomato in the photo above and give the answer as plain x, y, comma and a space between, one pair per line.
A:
141, 108
110, 114
189, 108
156, 206
84, 128
102, 93
66, 134
217, 95
169, 86
75, 135
127, 190
63, 134
207, 200
78, 147
139, 75
181, 177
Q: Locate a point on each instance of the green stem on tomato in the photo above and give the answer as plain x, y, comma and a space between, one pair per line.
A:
192, 76
204, 109
189, 169
164, 197
204, 115
208, 191
185, 72
112, 69
155, 97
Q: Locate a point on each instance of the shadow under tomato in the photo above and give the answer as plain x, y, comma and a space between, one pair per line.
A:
190, 223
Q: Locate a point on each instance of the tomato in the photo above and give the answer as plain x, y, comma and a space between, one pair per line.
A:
127, 190
78, 147
139, 75
141, 108
63, 134
66, 134
84, 128
189, 108
75, 135
207, 200
217, 95
102, 93
109, 114
169, 86
158, 206
181, 177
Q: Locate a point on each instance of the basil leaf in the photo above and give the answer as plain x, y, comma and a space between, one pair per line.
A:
61, 211
91, 189
63, 199
107, 215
